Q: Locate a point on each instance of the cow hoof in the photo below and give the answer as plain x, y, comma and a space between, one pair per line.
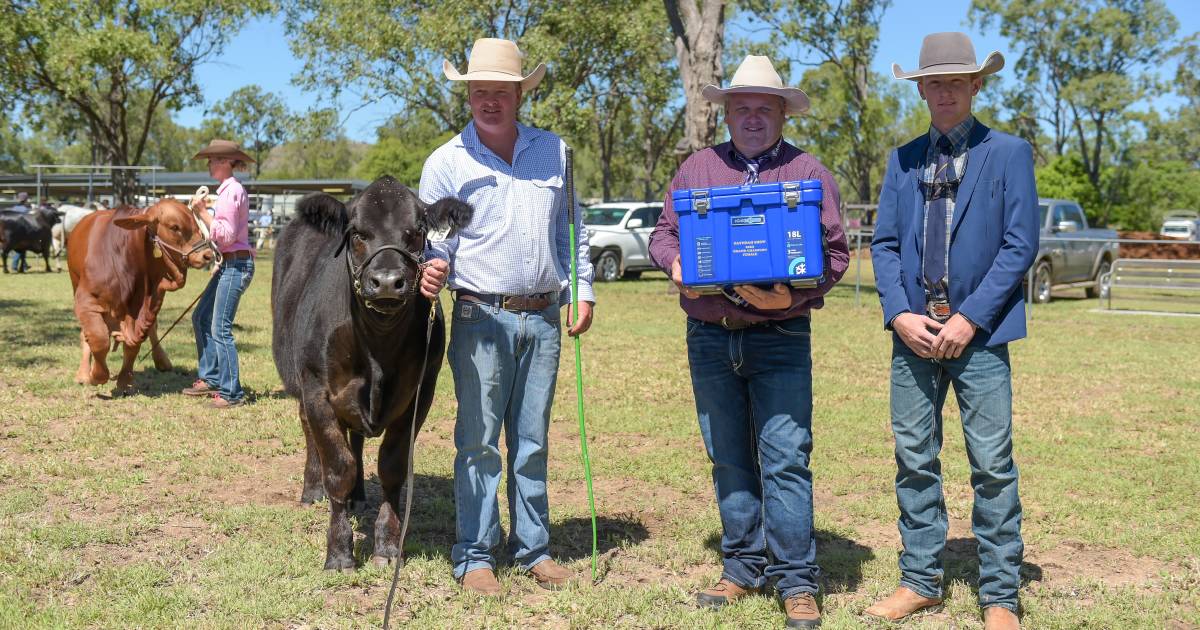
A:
309, 498
339, 566
165, 366
386, 561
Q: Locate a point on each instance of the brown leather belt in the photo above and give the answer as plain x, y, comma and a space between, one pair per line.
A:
535, 302
241, 253
740, 324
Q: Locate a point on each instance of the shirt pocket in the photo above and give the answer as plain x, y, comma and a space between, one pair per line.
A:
548, 190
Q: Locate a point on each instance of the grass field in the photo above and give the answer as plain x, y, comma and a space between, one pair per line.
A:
153, 511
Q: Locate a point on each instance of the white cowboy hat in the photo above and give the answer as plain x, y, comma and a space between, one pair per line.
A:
949, 53
757, 75
494, 59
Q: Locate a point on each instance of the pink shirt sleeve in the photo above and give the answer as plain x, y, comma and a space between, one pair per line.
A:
226, 217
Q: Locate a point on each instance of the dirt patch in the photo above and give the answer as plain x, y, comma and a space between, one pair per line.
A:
1160, 251
1073, 560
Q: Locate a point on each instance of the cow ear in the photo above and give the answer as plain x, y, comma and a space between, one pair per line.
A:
136, 221
445, 217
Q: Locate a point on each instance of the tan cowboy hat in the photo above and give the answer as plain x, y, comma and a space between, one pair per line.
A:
223, 149
494, 59
757, 75
949, 53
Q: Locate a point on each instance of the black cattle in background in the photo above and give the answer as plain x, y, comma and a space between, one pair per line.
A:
27, 232
353, 356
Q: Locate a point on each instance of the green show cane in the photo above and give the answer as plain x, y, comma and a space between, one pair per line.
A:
587, 464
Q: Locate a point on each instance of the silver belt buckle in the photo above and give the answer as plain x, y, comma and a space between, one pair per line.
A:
938, 310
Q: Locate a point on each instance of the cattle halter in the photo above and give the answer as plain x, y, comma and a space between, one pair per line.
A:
356, 271
204, 243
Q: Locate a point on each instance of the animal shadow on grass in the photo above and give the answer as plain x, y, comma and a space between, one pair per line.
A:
572, 539
34, 328
431, 530
841, 560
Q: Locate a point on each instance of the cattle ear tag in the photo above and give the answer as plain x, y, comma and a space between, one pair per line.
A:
157, 251
438, 235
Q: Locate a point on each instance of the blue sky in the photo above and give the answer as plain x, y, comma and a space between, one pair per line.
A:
259, 54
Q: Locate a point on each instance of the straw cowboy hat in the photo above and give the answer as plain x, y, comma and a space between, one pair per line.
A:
223, 149
949, 53
756, 75
494, 59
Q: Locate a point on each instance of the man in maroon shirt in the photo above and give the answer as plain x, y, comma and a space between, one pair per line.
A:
750, 357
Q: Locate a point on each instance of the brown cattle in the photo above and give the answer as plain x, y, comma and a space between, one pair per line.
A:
122, 263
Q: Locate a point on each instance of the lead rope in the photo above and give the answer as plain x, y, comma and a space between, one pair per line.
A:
412, 441
587, 464
201, 193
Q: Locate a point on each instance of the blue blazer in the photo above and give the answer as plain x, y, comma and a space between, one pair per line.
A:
993, 237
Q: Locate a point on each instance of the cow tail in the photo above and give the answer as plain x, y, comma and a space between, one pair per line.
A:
323, 212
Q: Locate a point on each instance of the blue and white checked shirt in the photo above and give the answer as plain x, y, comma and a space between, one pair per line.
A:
958, 136
518, 241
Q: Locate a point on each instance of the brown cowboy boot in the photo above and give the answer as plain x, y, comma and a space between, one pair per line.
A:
802, 611
722, 593
901, 604
481, 582
550, 575
1000, 618
199, 388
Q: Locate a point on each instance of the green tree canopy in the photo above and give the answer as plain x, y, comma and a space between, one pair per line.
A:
109, 66
256, 118
1087, 61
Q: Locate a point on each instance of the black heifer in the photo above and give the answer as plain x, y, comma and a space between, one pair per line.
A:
349, 341
27, 232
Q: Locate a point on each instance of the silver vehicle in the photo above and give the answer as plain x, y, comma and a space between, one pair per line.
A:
619, 237
1184, 224
1070, 254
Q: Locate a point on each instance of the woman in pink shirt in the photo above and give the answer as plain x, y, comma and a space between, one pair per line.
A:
212, 321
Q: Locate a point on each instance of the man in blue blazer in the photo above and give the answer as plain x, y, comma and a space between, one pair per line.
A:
957, 230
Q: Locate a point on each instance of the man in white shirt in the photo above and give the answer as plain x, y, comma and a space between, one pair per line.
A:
509, 270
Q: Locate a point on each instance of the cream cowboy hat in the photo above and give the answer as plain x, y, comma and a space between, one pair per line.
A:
223, 149
949, 53
756, 75
494, 59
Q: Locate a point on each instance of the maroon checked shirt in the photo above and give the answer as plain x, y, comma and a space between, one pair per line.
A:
716, 166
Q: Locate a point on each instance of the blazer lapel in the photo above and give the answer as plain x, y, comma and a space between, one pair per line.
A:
918, 157
977, 151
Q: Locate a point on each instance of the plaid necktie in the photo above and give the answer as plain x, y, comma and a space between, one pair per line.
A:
939, 193
754, 164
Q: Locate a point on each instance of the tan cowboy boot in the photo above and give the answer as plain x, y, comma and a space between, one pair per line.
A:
481, 582
722, 593
801, 611
550, 575
1000, 618
901, 604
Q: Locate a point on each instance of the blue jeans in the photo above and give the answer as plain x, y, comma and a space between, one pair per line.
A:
212, 322
505, 366
753, 390
982, 380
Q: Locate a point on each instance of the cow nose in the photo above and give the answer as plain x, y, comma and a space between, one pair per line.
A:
386, 284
